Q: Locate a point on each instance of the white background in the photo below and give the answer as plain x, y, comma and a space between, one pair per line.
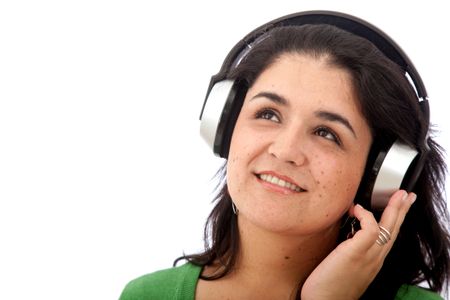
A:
103, 175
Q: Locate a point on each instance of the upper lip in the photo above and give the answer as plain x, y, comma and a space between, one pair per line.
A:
284, 177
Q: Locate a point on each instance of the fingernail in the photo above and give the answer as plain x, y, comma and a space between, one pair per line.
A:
404, 196
413, 197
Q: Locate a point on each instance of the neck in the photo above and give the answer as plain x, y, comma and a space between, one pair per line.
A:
272, 259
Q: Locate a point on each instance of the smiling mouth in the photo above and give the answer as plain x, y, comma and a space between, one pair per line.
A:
280, 182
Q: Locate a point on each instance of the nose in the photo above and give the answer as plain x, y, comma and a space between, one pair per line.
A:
288, 147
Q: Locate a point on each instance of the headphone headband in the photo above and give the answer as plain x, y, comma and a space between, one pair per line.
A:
343, 21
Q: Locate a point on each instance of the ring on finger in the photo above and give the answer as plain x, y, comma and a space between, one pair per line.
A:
384, 236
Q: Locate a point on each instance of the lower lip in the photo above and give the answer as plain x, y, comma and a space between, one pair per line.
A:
275, 188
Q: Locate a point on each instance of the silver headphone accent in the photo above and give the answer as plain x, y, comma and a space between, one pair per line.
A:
212, 115
391, 173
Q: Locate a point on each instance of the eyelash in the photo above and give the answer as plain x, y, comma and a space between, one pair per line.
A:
263, 114
335, 138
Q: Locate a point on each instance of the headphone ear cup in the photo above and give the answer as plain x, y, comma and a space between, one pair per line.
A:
219, 115
389, 168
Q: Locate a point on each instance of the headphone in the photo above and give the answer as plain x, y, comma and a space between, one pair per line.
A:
389, 166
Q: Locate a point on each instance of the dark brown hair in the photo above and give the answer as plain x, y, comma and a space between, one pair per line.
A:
390, 105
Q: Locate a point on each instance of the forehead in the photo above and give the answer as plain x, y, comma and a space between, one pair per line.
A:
302, 77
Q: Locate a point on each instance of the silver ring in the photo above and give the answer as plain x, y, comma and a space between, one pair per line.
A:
384, 236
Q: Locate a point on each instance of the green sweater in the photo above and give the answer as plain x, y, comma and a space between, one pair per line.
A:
179, 283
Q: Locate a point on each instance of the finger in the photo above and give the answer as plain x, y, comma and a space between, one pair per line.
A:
366, 237
396, 210
393, 210
393, 216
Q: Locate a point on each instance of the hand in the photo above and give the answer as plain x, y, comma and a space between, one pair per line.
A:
350, 268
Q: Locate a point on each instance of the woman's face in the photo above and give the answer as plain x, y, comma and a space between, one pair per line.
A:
299, 147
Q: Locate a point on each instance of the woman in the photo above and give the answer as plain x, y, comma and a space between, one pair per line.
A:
312, 103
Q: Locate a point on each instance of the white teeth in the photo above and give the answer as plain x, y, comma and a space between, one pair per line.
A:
274, 180
280, 182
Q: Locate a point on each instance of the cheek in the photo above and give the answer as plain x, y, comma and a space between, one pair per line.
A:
236, 164
232, 172
336, 181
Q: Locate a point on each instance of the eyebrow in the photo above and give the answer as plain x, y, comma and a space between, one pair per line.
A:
273, 97
334, 117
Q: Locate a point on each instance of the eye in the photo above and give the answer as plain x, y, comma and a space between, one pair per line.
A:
328, 134
268, 114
